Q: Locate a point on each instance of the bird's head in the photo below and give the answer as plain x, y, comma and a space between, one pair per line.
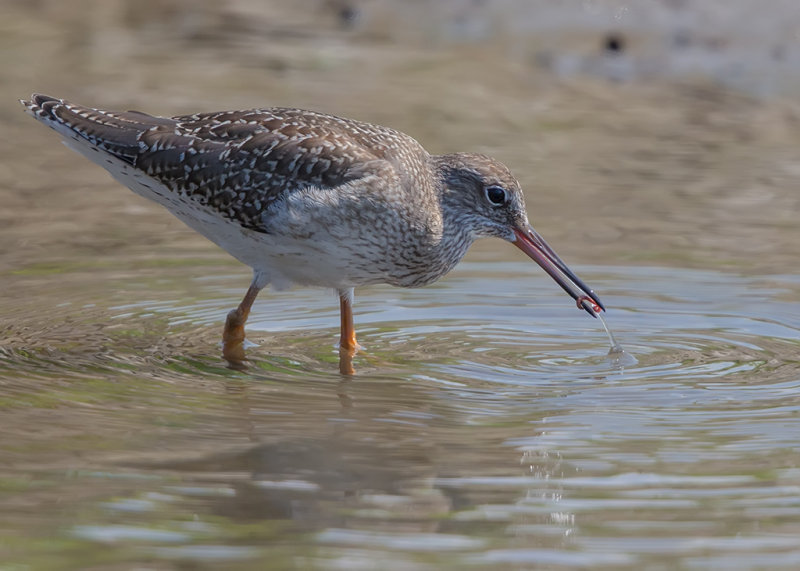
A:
482, 197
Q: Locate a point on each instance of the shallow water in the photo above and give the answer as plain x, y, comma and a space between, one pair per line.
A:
486, 426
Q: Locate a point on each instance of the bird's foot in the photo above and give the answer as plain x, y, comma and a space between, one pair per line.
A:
347, 349
233, 339
346, 362
234, 328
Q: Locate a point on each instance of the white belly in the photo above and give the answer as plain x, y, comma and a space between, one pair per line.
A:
276, 259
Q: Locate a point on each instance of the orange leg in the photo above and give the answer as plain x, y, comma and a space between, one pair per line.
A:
233, 335
347, 342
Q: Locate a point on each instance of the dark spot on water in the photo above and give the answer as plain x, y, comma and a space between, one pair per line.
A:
345, 11
614, 43
348, 14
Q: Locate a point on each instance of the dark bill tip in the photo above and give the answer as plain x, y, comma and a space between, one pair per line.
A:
530, 242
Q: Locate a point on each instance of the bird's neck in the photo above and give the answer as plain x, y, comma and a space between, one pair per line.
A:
455, 226
447, 172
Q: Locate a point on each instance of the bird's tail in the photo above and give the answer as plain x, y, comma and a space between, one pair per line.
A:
117, 133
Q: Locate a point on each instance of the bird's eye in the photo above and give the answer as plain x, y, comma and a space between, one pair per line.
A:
496, 195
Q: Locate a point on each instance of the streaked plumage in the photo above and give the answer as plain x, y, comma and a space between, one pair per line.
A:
309, 198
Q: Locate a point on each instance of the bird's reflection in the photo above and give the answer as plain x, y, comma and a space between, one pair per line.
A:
314, 482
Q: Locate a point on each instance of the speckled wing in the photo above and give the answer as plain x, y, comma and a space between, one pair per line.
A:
240, 162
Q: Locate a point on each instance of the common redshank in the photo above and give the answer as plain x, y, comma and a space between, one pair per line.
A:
312, 199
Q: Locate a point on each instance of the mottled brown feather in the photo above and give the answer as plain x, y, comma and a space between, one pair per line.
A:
240, 162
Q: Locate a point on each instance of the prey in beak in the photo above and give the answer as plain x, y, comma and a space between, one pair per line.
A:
530, 242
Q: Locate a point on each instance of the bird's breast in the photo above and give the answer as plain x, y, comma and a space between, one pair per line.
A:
355, 238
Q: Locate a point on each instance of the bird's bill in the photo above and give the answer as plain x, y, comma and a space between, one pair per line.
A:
530, 242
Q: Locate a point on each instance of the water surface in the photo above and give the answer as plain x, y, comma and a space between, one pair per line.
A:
486, 426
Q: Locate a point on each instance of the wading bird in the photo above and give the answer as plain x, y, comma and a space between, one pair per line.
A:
311, 199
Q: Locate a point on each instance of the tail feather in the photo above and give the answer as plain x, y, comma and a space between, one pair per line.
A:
117, 133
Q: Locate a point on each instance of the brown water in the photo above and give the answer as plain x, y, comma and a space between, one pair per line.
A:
487, 426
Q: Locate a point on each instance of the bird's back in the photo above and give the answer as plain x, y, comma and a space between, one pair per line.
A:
289, 192
234, 163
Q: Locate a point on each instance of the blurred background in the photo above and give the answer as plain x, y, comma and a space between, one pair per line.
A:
658, 143
627, 122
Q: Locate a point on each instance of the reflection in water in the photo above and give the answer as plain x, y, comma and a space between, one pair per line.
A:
316, 483
488, 429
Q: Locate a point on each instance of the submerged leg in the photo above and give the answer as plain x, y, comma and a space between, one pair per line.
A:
233, 335
347, 342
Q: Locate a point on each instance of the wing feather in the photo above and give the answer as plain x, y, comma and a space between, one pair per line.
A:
238, 163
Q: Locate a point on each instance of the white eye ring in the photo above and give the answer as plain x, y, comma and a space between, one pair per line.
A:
496, 195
